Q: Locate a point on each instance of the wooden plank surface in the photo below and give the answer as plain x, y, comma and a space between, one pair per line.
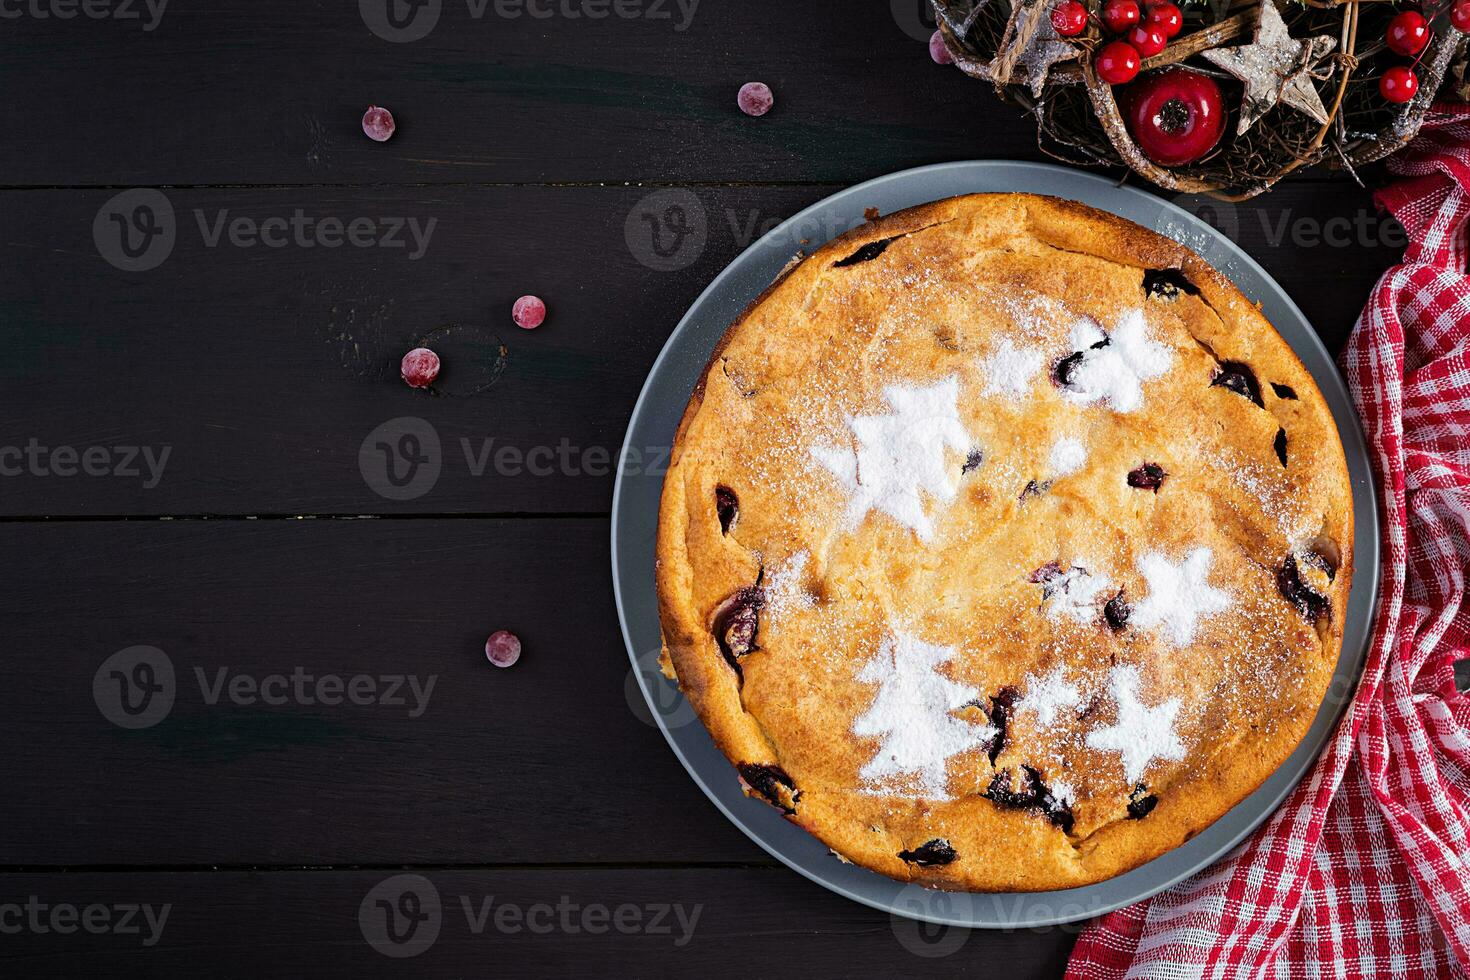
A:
521, 922
262, 370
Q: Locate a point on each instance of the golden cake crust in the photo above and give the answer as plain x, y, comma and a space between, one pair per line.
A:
907, 470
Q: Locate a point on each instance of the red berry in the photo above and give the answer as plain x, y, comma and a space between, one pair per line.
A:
1460, 16
1407, 34
1398, 84
419, 367
1120, 15
378, 123
1117, 62
1069, 18
528, 312
503, 648
1147, 39
1166, 17
756, 98
1176, 115
938, 51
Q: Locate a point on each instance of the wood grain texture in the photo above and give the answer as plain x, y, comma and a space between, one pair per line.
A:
516, 922
263, 369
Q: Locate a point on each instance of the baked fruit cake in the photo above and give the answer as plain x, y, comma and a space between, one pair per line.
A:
1005, 545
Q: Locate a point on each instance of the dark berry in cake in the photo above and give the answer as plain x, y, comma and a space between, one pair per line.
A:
930, 853
1147, 476
727, 507
1239, 378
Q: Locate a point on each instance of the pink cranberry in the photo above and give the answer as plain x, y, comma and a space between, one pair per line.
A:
528, 312
419, 367
503, 648
756, 98
378, 123
938, 51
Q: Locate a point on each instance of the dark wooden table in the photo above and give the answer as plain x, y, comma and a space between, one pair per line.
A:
294, 596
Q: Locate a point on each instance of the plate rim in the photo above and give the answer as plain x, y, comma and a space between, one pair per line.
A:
1364, 590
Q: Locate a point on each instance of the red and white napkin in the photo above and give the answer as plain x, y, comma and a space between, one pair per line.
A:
1365, 869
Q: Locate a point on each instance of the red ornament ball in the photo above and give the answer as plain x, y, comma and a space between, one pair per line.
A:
528, 312
419, 367
1398, 84
1175, 115
1460, 16
756, 98
1069, 18
939, 53
1166, 17
503, 648
1119, 15
378, 124
1147, 40
1407, 33
1117, 63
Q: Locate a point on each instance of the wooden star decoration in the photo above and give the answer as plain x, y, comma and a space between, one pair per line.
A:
1029, 47
1275, 67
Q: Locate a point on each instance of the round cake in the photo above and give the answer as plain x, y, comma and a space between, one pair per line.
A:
1004, 546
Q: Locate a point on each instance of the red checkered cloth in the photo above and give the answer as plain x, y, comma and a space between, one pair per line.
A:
1364, 871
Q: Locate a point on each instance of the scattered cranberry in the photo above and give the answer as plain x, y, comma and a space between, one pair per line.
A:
756, 98
378, 123
1166, 17
1117, 62
419, 367
1176, 115
1120, 15
528, 312
1069, 18
1407, 33
1460, 16
1398, 84
937, 51
503, 648
1147, 39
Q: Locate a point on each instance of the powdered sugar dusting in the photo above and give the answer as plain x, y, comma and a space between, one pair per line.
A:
1178, 595
1142, 734
1076, 593
1114, 373
1049, 697
783, 589
1010, 370
1068, 455
911, 714
901, 456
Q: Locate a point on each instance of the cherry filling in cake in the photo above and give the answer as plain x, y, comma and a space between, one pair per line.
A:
1005, 546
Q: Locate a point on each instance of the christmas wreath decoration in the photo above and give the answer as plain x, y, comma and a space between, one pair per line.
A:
1215, 97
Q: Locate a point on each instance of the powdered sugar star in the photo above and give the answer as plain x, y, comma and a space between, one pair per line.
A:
1115, 372
901, 454
1074, 593
1178, 595
1010, 369
1048, 696
1142, 734
911, 713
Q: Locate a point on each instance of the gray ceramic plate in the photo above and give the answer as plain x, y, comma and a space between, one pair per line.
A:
635, 513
